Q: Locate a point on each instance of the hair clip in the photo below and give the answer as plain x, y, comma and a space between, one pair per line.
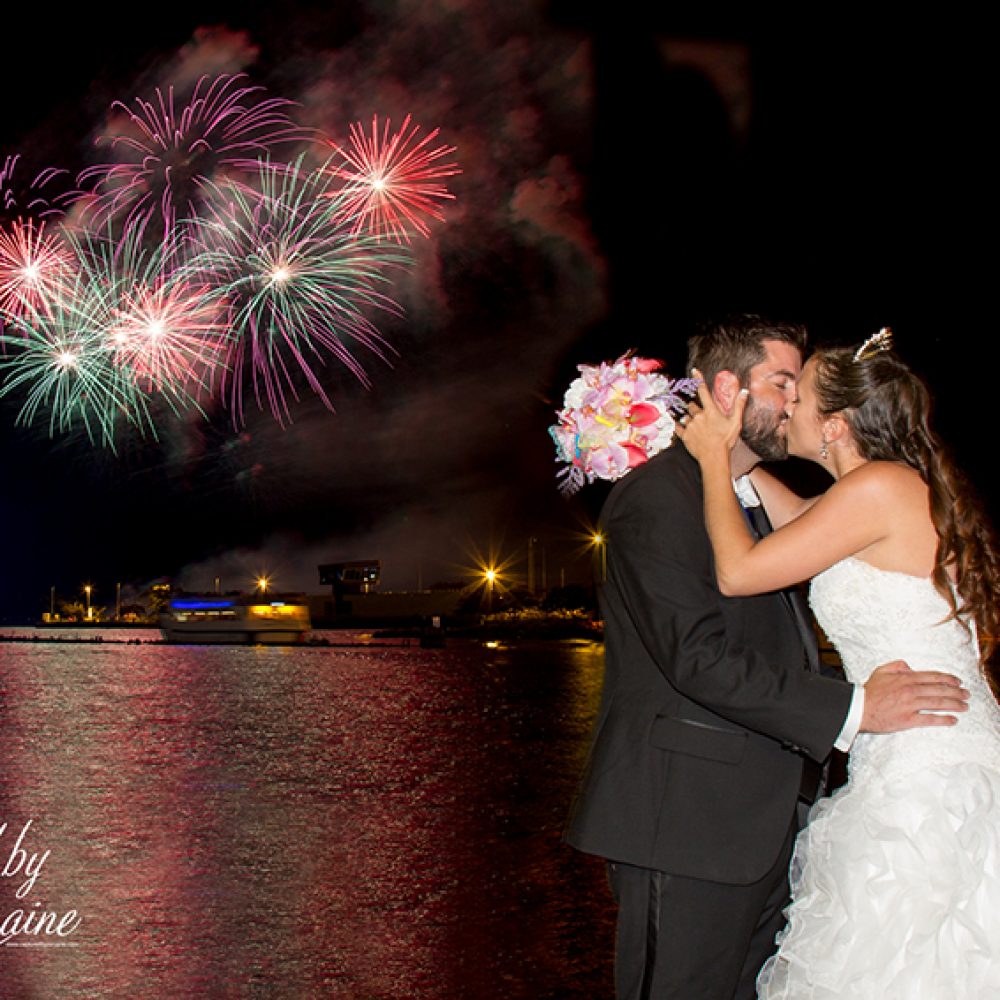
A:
877, 342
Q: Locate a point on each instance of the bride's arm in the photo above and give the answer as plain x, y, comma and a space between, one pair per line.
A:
849, 517
781, 503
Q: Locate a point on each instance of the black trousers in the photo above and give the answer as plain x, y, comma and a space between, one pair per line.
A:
686, 939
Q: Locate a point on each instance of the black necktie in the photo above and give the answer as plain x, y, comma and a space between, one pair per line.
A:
761, 526
814, 776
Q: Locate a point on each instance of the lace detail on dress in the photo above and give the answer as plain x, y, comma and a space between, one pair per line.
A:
896, 880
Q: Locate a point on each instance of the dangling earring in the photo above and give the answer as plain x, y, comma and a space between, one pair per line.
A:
824, 450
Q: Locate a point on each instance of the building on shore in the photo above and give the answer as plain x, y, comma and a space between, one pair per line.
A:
395, 607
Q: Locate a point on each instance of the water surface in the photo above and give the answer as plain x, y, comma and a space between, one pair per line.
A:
356, 821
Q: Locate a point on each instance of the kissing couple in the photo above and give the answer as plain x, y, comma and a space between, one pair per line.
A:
717, 719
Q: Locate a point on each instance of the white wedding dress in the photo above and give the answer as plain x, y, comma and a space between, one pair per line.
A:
896, 879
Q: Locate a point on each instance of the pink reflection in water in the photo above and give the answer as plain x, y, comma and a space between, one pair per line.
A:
357, 823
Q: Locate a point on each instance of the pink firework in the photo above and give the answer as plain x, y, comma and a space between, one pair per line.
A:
34, 266
167, 152
168, 336
393, 180
39, 197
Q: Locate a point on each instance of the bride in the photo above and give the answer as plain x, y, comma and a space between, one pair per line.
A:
896, 879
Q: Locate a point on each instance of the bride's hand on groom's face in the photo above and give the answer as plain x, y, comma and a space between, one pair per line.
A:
706, 426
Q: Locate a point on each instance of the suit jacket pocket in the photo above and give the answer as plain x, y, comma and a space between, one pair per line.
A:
698, 739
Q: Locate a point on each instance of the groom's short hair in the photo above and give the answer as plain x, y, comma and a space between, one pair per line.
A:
736, 344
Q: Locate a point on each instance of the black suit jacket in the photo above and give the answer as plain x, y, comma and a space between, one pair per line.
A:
707, 709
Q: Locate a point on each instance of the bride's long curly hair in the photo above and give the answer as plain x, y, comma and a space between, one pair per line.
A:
888, 408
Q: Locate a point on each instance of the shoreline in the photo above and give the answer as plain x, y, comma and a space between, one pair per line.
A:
355, 635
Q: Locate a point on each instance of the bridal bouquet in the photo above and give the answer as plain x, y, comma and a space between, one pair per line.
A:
615, 416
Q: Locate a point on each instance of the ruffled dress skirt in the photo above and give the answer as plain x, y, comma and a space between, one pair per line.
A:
896, 892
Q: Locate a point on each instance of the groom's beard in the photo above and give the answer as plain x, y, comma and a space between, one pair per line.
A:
764, 432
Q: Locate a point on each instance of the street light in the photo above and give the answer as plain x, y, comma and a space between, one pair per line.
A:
489, 575
87, 588
599, 541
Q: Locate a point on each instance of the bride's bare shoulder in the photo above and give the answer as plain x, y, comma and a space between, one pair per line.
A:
890, 496
882, 479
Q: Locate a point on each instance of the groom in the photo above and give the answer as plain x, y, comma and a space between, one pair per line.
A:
714, 717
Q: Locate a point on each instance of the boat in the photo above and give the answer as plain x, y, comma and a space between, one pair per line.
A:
236, 619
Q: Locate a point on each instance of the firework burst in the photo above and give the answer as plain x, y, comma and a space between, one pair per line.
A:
121, 334
39, 198
62, 363
392, 180
167, 151
169, 336
35, 265
197, 263
165, 331
298, 281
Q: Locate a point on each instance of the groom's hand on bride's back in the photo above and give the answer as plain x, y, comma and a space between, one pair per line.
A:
897, 697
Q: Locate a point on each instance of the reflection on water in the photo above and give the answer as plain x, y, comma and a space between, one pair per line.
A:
356, 822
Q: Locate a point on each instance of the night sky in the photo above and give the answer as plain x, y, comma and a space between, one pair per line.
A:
623, 176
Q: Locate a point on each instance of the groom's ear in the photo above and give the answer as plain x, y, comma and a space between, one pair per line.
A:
725, 389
